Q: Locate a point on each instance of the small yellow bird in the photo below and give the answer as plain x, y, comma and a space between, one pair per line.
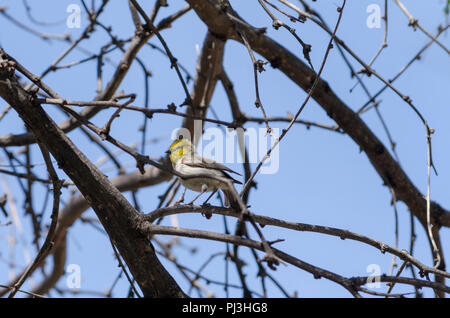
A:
188, 162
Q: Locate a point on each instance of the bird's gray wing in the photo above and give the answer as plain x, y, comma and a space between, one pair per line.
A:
210, 164
230, 177
216, 165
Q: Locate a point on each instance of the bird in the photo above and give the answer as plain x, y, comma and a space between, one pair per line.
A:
186, 161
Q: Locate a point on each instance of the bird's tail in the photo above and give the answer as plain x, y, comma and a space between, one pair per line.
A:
230, 200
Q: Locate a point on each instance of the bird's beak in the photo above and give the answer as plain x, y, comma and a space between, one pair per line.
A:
168, 152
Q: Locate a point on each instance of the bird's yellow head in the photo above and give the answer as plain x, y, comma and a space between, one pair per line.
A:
179, 148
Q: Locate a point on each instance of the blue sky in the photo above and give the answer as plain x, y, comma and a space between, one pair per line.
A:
323, 178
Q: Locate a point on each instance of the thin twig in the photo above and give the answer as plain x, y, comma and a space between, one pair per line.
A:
48, 243
311, 91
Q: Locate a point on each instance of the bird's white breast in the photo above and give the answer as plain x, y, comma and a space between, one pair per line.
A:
195, 184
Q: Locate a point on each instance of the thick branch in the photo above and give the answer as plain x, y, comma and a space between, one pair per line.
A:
221, 23
113, 210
